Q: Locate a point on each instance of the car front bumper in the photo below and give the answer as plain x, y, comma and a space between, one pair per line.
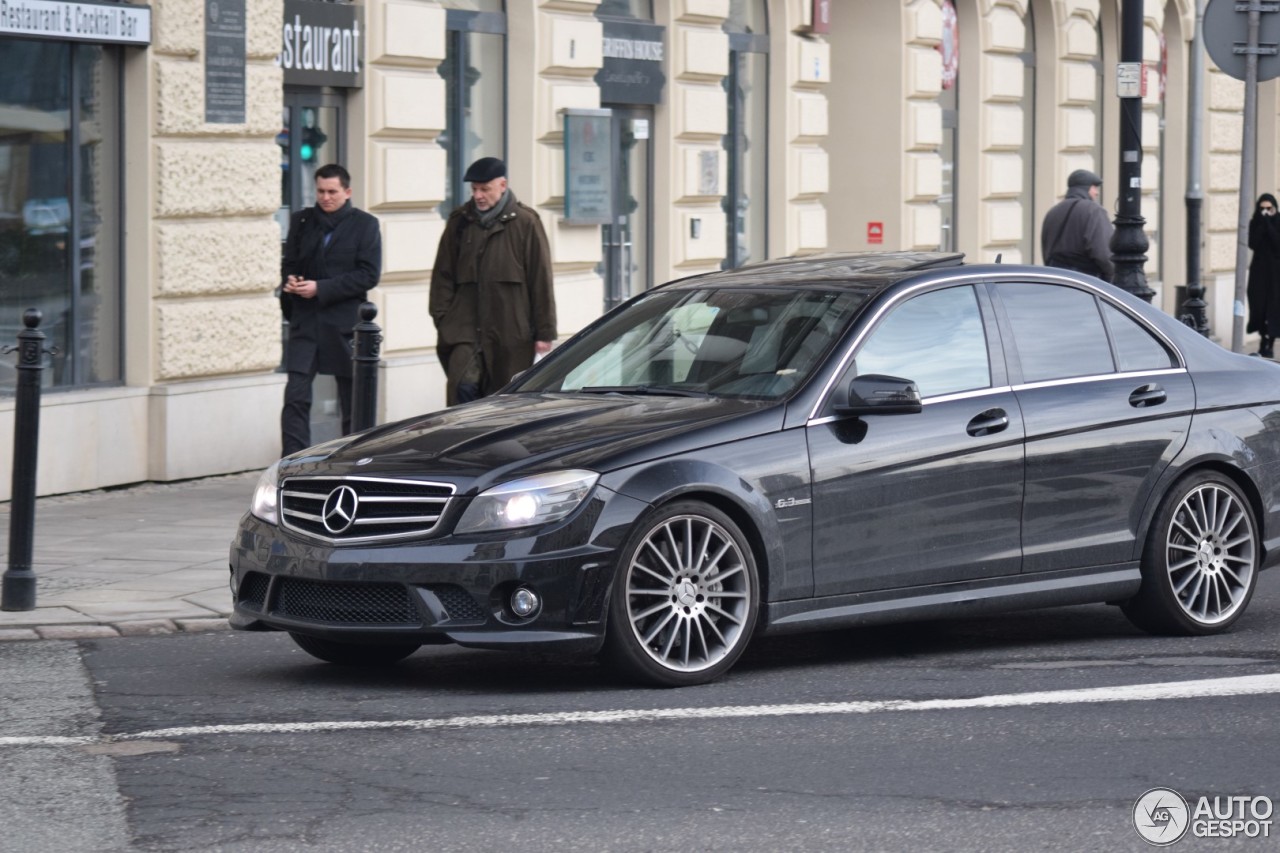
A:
435, 591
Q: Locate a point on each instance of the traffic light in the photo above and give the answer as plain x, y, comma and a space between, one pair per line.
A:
313, 139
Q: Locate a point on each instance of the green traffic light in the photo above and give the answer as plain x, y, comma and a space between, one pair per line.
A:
307, 152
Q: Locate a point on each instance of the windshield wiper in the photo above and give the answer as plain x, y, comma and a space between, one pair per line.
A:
655, 390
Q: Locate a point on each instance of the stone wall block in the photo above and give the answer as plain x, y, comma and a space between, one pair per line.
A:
1002, 78
1003, 126
217, 178
923, 22
177, 27
561, 95
1005, 31
924, 176
1224, 173
1079, 83
924, 125
180, 100
812, 121
1080, 39
703, 111
1003, 175
924, 72
409, 242
702, 10
407, 33
813, 63
1222, 91
212, 337
1226, 131
923, 227
264, 30
1079, 128
702, 54
572, 46
213, 258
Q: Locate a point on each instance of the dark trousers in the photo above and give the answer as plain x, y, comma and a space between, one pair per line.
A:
295, 417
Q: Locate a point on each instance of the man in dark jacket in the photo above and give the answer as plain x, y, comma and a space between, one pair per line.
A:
1076, 233
491, 291
332, 257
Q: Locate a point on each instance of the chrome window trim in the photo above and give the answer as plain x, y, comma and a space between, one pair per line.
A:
1098, 377
975, 394
1046, 276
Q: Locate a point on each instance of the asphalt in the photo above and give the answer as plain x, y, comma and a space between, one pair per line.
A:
140, 560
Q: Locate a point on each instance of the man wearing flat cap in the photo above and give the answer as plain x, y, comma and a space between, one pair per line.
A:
491, 290
1076, 233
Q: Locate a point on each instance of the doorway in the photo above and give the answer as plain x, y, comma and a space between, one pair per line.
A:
627, 238
311, 135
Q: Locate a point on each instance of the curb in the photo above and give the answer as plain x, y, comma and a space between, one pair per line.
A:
135, 628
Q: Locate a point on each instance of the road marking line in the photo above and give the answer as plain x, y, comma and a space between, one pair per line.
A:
1249, 685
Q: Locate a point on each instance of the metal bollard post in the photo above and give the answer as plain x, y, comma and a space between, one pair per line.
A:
1193, 313
364, 380
19, 587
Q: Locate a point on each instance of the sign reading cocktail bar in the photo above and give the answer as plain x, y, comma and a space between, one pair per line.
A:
322, 44
100, 23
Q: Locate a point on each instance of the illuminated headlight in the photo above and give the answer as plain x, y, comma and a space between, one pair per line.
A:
266, 496
524, 503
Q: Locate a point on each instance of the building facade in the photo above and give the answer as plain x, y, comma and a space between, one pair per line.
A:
150, 156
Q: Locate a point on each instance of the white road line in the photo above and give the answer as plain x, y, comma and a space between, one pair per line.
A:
1204, 688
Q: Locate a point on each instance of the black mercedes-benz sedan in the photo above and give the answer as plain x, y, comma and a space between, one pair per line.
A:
798, 444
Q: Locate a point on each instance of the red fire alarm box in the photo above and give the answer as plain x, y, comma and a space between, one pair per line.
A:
875, 232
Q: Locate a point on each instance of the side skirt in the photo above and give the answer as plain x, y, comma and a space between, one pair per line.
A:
1016, 592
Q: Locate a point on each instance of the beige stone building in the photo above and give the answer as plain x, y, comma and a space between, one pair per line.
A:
150, 156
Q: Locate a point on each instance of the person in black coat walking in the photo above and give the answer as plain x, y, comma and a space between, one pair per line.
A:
332, 258
1264, 274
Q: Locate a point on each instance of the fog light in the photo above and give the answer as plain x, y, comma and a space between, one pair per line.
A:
524, 602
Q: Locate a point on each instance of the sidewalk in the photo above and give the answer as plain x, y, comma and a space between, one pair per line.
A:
150, 559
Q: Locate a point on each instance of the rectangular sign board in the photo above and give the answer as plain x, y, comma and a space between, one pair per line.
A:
100, 23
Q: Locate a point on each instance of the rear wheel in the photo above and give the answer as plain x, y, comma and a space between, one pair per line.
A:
354, 654
685, 601
1200, 564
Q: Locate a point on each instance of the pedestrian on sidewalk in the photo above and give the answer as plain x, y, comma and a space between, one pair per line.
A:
491, 289
332, 259
1263, 287
1076, 233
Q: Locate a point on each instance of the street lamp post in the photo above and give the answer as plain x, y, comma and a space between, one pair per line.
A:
1129, 242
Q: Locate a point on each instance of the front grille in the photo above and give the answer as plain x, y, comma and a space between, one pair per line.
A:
459, 606
347, 603
344, 510
253, 590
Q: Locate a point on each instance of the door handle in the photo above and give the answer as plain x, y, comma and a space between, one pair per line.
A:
1147, 395
992, 420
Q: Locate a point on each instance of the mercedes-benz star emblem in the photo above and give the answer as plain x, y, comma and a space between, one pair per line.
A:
340, 509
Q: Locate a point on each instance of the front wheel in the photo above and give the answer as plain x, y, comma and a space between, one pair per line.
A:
1200, 563
685, 599
354, 654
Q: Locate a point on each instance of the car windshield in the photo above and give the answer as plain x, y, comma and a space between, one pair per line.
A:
752, 342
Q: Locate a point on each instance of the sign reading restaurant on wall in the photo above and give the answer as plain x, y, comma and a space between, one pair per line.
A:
101, 23
322, 44
632, 69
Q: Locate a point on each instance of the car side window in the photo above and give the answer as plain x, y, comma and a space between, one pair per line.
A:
935, 339
1136, 348
1057, 330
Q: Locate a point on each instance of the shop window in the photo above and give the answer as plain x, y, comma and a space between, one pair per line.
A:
60, 206
641, 10
1027, 244
475, 74
949, 103
746, 144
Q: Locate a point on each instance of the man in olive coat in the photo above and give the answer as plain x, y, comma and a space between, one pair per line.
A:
332, 258
491, 290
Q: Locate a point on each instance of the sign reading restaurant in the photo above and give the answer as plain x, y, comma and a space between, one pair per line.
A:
321, 44
101, 23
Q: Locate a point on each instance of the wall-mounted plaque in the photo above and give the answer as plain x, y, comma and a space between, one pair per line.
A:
588, 149
224, 61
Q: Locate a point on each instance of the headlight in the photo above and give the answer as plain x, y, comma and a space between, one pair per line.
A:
266, 496
524, 503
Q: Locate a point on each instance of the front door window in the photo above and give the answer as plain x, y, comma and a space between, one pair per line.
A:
626, 238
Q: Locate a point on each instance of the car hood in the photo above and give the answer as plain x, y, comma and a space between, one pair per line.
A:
498, 437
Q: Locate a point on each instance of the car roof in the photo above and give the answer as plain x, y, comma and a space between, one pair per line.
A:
871, 270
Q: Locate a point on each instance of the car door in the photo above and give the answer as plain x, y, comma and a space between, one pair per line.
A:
936, 496
1107, 406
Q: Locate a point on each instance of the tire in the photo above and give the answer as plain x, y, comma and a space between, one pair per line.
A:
685, 598
354, 654
1200, 563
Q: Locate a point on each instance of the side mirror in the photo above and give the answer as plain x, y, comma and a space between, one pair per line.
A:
876, 394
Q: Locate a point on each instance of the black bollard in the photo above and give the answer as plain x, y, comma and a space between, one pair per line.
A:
19, 588
364, 379
1193, 313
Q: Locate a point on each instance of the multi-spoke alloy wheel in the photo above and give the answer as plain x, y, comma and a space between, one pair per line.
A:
1200, 565
685, 600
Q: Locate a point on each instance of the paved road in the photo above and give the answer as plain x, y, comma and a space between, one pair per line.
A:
235, 742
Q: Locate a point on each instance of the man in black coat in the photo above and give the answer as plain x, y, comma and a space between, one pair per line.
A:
332, 258
1076, 233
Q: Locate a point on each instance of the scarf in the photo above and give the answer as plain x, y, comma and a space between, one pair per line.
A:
490, 216
330, 221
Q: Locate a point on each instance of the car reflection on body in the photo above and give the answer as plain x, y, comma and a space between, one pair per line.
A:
794, 445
